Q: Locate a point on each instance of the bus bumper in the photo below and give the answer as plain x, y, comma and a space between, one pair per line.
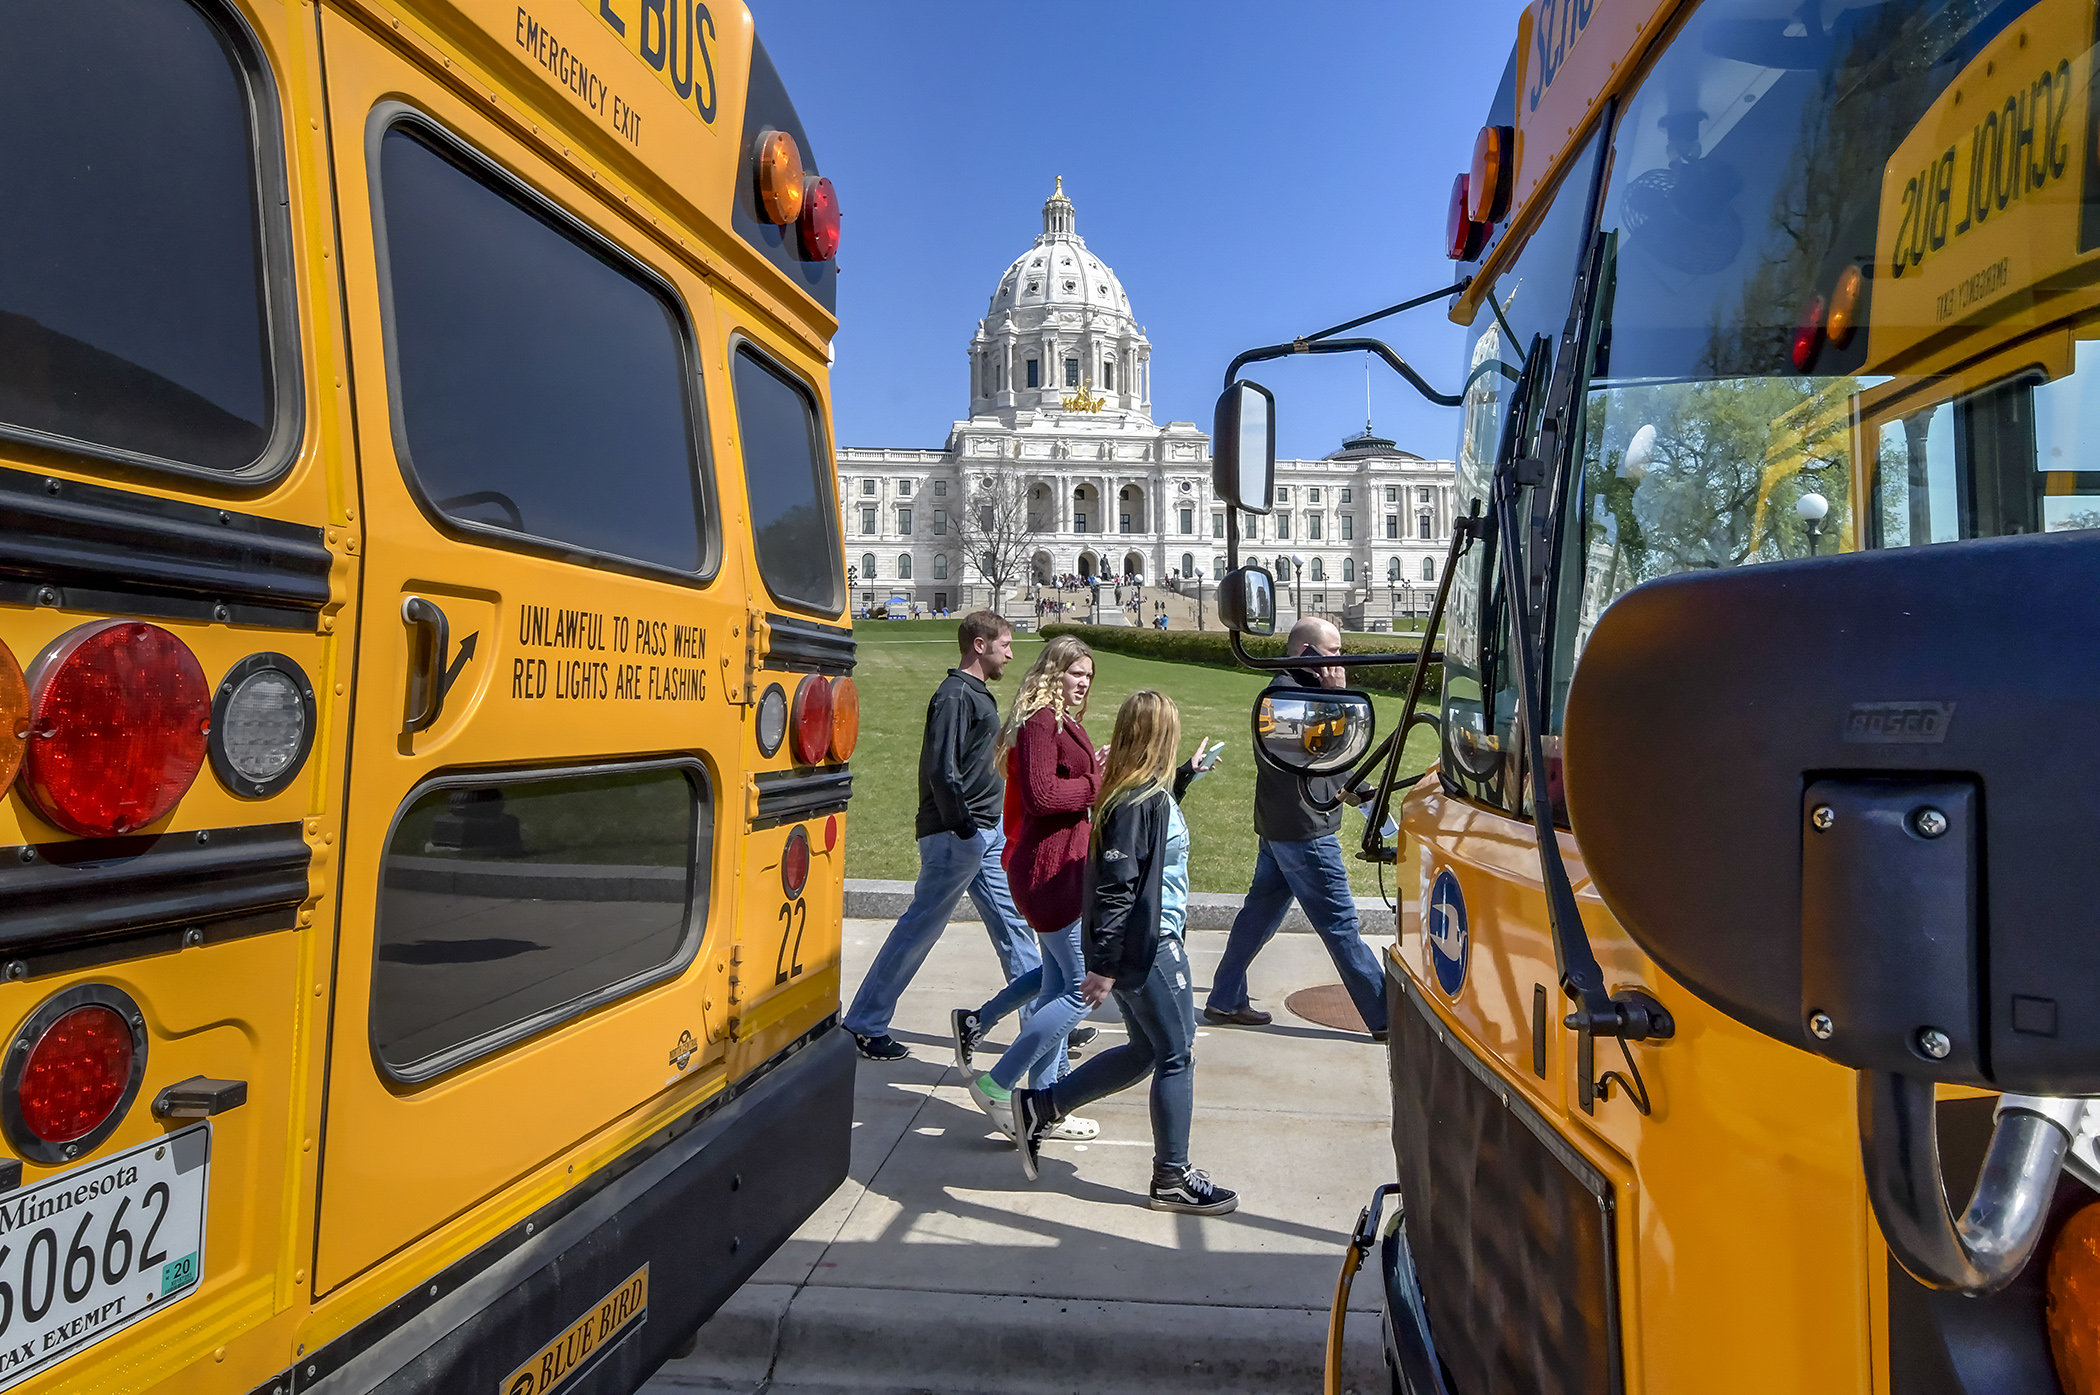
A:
1410, 1352
702, 1210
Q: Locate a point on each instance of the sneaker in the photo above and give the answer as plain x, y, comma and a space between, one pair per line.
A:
1072, 1129
1031, 1122
1001, 1111
1081, 1036
1189, 1189
881, 1048
968, 1033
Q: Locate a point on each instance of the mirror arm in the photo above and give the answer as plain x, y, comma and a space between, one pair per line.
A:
1303, 344
1992, 1242
1458, 287
1345, 346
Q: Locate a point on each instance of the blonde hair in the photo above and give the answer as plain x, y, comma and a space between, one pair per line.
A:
1140, 754
1043, 686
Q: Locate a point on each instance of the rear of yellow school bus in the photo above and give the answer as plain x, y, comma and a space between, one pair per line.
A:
1754, 283
426, 691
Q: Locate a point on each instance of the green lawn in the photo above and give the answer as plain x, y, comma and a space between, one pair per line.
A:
902, 661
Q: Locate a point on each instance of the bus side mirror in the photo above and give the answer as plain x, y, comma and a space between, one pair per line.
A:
1247, 601
1787, 781
1243, 447
1313, 731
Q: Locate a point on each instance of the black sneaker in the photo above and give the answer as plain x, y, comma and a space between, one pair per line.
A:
882, 1048
1081, 1036
969, 1034
1190, 1189
1031, 1120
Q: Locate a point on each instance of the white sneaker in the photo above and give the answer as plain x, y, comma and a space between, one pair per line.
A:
1073, 1129
1001, 1112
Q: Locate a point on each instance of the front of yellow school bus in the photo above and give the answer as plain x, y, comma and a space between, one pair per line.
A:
1744, 1001
426, 691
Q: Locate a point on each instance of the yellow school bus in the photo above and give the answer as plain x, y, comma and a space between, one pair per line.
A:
427, 690
1744, 918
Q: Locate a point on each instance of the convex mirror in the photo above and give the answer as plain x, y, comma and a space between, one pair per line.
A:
1247, 601
1243, 447
1313, 731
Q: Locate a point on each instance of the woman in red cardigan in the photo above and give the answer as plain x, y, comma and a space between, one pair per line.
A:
1052, 778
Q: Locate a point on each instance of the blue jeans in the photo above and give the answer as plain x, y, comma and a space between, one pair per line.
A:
1312, 872
1160, 1016
1040, 1049
949, 865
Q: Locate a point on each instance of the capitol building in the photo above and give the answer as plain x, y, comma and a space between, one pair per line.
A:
1061, 398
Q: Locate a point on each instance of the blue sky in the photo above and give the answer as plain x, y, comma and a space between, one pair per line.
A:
1252, 172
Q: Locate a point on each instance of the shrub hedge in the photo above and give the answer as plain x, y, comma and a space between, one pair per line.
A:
1209, 648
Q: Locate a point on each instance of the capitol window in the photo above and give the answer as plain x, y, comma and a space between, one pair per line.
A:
940, 566
940, 489
867, 486
1078, 521
1071, 372
1392, 569
1392, 525
904, 490
1283, 525
940, 523
1283, 493
1392, 494
1108, 375
1217, 566
1421, 496
1422, 525
1312, 526
1217, 525
1318, 570
1188, 521
904, 521
1031, 363
1348, 569
1345, 496
867, 566
1312, 496
1348, 529
867, 521
1429, 569
904, 566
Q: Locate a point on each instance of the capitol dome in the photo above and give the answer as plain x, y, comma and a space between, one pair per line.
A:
1058, 335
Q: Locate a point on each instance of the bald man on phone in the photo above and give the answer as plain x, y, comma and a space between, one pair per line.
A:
1300, 859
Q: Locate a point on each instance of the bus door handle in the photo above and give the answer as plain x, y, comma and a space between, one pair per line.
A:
429, 641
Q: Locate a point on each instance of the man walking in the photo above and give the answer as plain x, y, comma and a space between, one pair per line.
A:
1300, 857
960, 840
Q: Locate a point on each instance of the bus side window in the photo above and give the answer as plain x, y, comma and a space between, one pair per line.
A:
787, 474
134, 287
543, 383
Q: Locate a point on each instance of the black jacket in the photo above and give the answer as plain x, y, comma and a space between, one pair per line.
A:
1281, 811
959, 792
1119, 932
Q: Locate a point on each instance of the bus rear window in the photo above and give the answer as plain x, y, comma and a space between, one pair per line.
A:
787, 475
132, 304
541, 385
508, 905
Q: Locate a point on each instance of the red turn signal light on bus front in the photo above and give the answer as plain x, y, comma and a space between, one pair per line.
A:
810, 719
1463, 238
845, 718
1808, 334
794, 863
819, 223
118, 713
74, 1069
779, 178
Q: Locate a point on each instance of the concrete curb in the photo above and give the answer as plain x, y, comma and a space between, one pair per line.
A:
870, 899
895, 1342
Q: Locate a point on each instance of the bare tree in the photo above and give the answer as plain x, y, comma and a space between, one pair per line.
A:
999, 532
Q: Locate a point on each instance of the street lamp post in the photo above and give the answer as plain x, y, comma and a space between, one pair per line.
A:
1812, 508
1298, 583
852, 579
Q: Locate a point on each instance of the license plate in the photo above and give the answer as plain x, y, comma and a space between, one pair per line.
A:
94, 1250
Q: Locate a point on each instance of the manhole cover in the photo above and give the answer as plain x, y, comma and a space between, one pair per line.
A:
1329, 1005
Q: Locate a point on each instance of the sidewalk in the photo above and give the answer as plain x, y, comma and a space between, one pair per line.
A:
939, 1267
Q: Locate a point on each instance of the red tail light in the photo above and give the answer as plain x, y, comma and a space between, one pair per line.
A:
845, 718
118, 712
1462, 236
794, 863
819, 223
811, 719
77, 1074
1808, 334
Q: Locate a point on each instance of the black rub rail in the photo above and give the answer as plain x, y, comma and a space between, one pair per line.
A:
802, 646
789, 795
90, 547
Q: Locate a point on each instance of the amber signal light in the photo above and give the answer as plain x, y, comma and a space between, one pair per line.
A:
780, 184
1843, 317
845, 718
1488, 182
14, 716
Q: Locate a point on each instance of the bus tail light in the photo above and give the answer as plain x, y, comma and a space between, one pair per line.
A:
1462, 236
845, 718
1844, 306
1808, 334
73, 1069
794, 863
118, 713
811, 719
819, 223
779, 178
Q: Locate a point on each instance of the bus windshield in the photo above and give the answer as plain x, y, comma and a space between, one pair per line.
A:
1840, 234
